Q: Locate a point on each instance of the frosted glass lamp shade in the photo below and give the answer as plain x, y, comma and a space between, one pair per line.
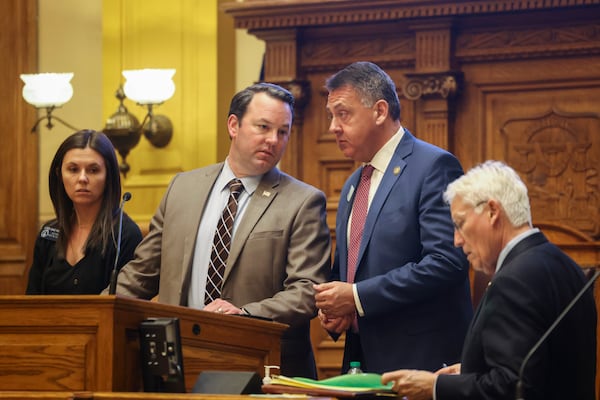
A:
47, 89
149, 86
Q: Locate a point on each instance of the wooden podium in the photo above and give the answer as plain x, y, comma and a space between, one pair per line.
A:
91, 343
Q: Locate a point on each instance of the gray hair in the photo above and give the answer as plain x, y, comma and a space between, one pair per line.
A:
493, 180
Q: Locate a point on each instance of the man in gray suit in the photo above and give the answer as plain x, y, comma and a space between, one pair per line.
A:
280, 243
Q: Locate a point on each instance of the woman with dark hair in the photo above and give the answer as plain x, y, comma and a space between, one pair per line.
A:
75, 253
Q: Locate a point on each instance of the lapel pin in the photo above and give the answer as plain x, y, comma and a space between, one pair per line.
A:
350, 192
397, 170
266, 193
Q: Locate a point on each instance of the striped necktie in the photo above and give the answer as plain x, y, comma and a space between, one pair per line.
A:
222, 243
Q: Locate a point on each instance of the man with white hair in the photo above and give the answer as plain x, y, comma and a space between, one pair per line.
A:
532, 282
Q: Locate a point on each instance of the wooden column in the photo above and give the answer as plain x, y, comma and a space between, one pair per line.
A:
433, 83
19, 149
281, 67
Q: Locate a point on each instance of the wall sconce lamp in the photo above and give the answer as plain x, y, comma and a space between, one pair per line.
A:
147, 87
48, 91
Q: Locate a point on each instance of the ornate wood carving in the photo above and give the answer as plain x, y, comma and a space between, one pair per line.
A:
326, 53
555, 41
444, 85
558, 155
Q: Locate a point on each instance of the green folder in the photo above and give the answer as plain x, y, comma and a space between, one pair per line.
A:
355, 383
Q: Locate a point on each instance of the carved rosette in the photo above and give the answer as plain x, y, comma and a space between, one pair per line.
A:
444, 85
300, 90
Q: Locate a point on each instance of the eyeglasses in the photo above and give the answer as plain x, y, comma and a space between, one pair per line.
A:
459, 224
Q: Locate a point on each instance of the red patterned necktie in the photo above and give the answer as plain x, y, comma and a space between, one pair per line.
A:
360, 207
359, 216
221, 243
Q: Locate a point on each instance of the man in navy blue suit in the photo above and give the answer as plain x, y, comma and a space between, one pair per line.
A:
406, 303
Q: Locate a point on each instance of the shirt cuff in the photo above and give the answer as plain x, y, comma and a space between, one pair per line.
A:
359, 308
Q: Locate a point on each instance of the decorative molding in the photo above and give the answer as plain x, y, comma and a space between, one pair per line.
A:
528, 43
270, 14
281, 60
433, 50
321, 54
444, 85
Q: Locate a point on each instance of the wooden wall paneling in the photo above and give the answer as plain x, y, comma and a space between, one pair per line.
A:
19, 149
547, 130
513, 80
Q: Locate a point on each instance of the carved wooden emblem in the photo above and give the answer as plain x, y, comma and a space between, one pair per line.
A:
557, 156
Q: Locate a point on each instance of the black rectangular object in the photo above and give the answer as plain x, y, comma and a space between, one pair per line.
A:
228, 382
161, 357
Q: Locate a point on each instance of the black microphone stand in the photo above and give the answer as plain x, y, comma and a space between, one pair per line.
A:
519, 388
112, 289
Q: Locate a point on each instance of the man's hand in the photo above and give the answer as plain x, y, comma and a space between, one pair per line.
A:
410, 383
453, 369
335, 325
335, 299
222, 307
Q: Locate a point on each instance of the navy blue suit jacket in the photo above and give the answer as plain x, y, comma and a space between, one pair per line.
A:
411, 280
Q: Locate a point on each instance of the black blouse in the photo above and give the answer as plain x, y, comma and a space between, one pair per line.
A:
50, 274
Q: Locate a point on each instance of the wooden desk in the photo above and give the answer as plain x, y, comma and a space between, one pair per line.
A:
90, 343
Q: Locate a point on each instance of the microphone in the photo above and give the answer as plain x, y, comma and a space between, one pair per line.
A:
113, 277
590, 282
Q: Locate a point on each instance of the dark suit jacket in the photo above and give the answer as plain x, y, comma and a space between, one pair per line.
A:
280, 249
412, 282
533, 286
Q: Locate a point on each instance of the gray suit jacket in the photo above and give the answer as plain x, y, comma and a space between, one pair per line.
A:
280, 249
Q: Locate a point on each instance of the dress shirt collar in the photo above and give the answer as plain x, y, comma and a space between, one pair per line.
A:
511, 245
250, 182
382, 158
